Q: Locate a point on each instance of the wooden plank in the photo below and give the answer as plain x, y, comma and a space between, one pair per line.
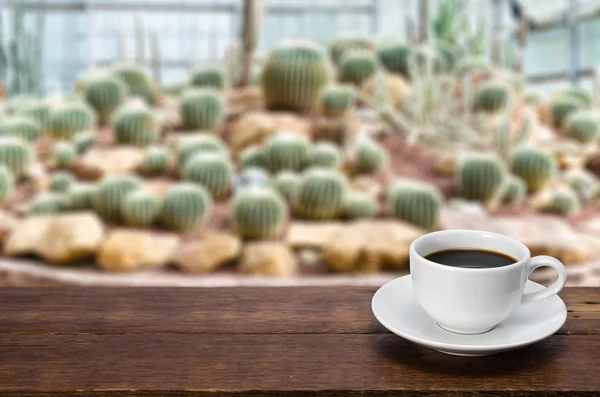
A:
107, 365
222, 310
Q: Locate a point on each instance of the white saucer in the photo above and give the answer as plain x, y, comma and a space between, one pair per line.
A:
397, 309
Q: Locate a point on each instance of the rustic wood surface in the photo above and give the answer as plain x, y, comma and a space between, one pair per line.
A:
313, 341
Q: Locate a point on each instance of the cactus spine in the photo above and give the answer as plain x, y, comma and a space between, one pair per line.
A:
105, 93
287, 183
111, 193
15, 154
64, 155
259, 213
359, 205
336, 101
515, 190
209, 78
6, 183
202, 109
287, 151
326, 155
321, 194
22, 127
136, 127
140, 209
357, 67
61, 181
534, 166
415, 202
157, 160
185, 206
583, 126
481, 178
211, 170
69, 119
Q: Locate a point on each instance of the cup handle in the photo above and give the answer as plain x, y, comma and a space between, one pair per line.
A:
540, 261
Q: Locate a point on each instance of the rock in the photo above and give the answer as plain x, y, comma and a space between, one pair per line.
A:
97, 163
7, 224
268, 259
158, 186
311, 234
37, 176
243, 100
209, 253
332, 129
128, 250
256, 127
369, 246
61, 238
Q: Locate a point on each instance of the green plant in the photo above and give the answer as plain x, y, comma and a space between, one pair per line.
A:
359, 205
111, 193
21, 127
157, 160
135, 126
338, 47
325, 154
336, 100
414, 202
394, 56
185, 206
6, 183
357, 66
209, 77
15, 154
583, 97
515, 190
61, 181
293, 76
321, 193
473, 64
561, 108
84, 140
70, 118
532, 98
211, 170
46, 204
37, 111
493, 96
80, 196
582, 182
105, 93
481, 177
286, 151
140, 209
583, 126
287, 182
259, 213
202, 109
534, 166
199, 144
64, 154
252, 156
369, 156
563, 202
137, 82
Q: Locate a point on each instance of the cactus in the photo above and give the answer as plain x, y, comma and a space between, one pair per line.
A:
64, 155
69, 119
252, 156
415, 202
394, 56
80, 196
493, 96
583, 126
111, 193
209, 78
515, 190
287, 183
532, 98
37, 111
359, 205
321, 193
561, 108
185, 206
259, 213
211, 170
135, 126
326, 155
293, 76
84, 140
583, 97
481, 177
6, 183
563, 202
61, 181
336, 101
105, 93
369, 156
357, 66
286, 151
202, 109
449, 54
46, 204
137, 82
15, 154
21, 127
339, 46
199, 144
473, 64
157, 160
534, 166
140, 209
582, 182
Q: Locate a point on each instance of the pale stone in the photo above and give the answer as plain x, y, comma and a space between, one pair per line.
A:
369, 246
311, 234
37, 176
7, 224
268, 259
210, 252
129, 249
97, 163
243, 100
27, 236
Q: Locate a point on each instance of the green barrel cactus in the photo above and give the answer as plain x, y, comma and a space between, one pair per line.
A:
209, 78
135, 126
157, 160
336, 100
202, 109
582, 182
46, 204
583, 126
394, 55
16, 155
326, 155
137, 82
287, 183
356, 67
321, 193
359, 205
369, 156
481, 177
252, 156
258, 213
532, 98
22, 127
140, 209
200, 144
338, 47
105, 93
561, 108
585, 98
70, 118
534, 166
185, 206
111, 193
64, 155
80, 196
7, 183
213, 171
37, 111
414, 202
472, 64
492, 96
515, 190
61, 182
563, 201
286, 151
84, 140
293, 76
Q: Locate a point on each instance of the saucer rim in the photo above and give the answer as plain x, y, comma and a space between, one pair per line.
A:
464, 347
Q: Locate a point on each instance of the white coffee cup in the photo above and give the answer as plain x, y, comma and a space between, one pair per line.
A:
475, 300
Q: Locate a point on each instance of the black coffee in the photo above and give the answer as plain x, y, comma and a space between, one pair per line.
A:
470, 258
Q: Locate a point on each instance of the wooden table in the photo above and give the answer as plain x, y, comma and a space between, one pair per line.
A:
263, 341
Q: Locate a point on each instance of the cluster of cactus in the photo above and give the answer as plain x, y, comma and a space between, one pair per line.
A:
140, 209
582, 182
213, 171
321, 193
136, 126
259, 213
340, 46
6, 183
80, 196
61, 182
583, 126
46, 204
286, 151
414, 202
137, 82
157, 160
185, 206
368, 156
36, 110
22, 127
515, 190
15, 154
481, 177
209, 78
358, 205
293, 76
563, 201
252, 156
394, 55
70, 118
492, 96
325, 154
111, 193
356, 67
336, 100
84, 140
105, 93
64, 155
202, 109
286, 183
561, 108
199, 144
534, 166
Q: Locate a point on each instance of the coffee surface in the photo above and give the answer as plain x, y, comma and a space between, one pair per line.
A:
470, 258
